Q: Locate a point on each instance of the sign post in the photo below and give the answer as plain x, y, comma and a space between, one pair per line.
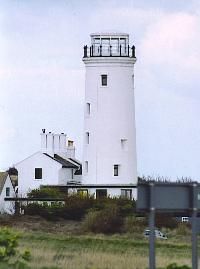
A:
180, 199
194, 227
152, 262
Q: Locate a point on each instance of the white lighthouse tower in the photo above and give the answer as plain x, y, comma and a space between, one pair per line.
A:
109, 151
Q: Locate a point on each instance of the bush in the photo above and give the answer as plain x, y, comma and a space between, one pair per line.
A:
166, 220
183, 229
134, 224
46, 192
75, 206
105, 221
8, 243
8, 250
175, 266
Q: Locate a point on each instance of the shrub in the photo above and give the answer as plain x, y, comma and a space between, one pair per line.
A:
26, 255
134, 224
183, 229
166, 220
8, 250
46, 192
8, 243
105, 221
75, 206
175, 266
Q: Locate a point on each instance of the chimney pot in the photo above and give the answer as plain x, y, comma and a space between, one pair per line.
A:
43, 131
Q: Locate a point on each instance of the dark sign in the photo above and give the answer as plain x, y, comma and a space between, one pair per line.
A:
168, 197
177, 198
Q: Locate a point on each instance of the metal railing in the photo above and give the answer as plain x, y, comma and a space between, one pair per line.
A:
109, 51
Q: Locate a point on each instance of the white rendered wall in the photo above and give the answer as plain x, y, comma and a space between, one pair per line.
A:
7, 206
26, 173
112, 118
65, 175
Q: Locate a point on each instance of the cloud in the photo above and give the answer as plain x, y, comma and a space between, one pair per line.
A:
173, 40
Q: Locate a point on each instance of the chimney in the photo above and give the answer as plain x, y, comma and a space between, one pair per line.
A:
43, 141
50, 144
70, 149
63, 141
47, 145
56, 143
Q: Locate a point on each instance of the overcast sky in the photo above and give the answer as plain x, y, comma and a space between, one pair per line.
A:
42, 76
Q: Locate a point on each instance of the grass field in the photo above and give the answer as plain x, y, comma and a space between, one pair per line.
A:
99, 251
62, 245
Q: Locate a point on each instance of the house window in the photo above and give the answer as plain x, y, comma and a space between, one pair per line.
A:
86, 166
87, 137
88, 108
38, 173
82, 193
104, 80
70, 143
101, 193
7, 192
126, 193
116, 170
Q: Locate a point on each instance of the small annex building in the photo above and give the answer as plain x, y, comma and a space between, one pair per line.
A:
6, 191
54, 164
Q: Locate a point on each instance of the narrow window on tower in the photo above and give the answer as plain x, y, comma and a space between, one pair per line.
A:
86, 167
124, 144
116, 170
133, 81
104, 80
88, 109
87, 137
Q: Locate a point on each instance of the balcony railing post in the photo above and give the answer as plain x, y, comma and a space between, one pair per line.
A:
100, 50
92, 50
85, 51
128, 50
120, 50
110, 50
133, 51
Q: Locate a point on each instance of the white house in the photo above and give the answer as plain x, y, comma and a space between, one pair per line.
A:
109, 150
6, 191
54, 164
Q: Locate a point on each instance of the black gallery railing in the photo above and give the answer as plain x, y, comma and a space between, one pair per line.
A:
109, 51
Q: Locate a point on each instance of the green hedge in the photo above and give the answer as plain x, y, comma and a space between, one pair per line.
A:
75, 207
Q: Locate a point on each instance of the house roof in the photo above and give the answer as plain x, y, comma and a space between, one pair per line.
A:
75, 161
3, 177
66, 163
78, 171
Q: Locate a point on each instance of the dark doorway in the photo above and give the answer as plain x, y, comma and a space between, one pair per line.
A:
101, 193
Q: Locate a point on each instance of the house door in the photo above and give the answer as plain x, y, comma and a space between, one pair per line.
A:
101, 193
